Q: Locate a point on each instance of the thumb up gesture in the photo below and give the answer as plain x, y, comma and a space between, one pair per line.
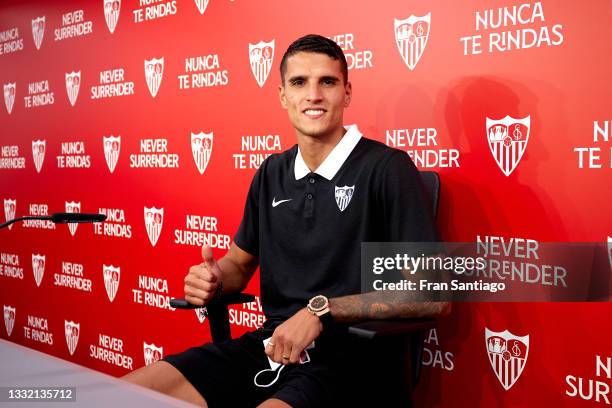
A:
202, 281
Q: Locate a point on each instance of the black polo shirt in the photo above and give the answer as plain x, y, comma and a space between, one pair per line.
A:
306, 228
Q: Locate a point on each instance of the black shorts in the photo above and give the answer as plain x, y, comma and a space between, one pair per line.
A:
224, 373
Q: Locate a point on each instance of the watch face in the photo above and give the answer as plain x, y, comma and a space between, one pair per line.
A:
318, 303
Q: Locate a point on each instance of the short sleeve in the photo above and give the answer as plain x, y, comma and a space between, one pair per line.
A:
407, 212
247, 237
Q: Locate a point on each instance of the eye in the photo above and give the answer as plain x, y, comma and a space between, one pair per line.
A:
297, 82
329, 81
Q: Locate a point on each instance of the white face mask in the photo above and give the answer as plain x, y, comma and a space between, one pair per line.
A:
277, 367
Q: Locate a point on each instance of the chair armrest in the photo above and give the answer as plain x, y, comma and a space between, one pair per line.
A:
217, 313
372, 329
229, 299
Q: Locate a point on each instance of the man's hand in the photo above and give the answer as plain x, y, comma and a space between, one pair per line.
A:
202, 280
293, 336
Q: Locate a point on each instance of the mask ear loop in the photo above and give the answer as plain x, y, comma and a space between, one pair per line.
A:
278, 370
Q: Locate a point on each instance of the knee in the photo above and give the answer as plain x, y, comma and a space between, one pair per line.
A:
157, 376
163, 377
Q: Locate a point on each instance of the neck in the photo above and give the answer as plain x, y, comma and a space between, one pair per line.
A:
315, 150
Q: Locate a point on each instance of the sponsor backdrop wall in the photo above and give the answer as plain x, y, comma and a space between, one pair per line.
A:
158, 113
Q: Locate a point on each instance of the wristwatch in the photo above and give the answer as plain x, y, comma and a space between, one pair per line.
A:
319, 306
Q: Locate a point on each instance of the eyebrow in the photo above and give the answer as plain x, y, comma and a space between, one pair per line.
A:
323, 78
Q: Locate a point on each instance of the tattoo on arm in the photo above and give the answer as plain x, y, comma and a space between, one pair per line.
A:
381, 305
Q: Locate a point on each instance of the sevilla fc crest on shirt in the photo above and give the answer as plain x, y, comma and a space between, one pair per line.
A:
111, 13
201, 147
507, 355
38, 153
112, 275
112, 147
9, 319
9, 210
152, 353
508, 139
154, 71
154, 219
72, 330
261, 56
38, 31
343, 196
73, 207
201, 4
411, 37
38, 267
73, 83
9, 96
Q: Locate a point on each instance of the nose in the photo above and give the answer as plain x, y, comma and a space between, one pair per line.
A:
314, 93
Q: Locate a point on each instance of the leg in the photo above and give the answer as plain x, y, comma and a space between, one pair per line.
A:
273, 403
163, 377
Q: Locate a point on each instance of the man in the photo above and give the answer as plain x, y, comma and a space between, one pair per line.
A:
307, 212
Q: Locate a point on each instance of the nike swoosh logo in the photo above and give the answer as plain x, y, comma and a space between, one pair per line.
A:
275, 203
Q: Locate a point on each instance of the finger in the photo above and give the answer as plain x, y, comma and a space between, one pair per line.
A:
194, 300
278, 349
295, 355
198, 294
198, 271
198, 283
207, 255
286, 355
202, 272
270, 350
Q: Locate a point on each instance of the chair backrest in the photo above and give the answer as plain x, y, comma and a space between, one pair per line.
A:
431, 182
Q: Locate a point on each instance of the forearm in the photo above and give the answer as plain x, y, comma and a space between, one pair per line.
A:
234, 276
382, 305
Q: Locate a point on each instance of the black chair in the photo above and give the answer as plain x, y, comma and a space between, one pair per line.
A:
393, 346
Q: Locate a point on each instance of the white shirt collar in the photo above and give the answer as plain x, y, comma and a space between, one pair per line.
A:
334, 160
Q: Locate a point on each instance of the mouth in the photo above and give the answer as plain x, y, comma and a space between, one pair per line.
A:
314, 113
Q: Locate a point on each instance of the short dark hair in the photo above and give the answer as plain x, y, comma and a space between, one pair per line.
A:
317, 44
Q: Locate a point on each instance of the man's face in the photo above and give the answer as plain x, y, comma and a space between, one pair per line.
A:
314, 94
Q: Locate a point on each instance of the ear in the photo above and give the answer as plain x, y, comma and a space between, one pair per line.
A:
348, 93
282, 97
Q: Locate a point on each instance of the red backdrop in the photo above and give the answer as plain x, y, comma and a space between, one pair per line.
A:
436, 79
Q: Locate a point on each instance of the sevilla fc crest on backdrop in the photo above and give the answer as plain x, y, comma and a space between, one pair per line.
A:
152, 353
261, 56
154, 220
201, 4
10, 207
72, 330
112, 147
112, 276
154, 72
508, 139
201, 314
201, 147
38, 31
38, 267
9, 96
343, 196
507, 355
73, 83
111, 13
9, 319
38, 153
73, 207
411, 37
